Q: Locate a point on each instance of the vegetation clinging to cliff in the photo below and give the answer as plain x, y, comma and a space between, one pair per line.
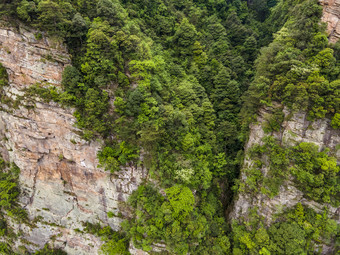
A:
298, 69
166, 80
299, 230
9, 204
315, 173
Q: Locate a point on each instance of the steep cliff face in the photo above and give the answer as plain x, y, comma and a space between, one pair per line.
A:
295, 129
62, 187
331, 15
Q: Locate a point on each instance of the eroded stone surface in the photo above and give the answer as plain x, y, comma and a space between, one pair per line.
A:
294, 130
30, 60
62, 185
331, 15
59, 174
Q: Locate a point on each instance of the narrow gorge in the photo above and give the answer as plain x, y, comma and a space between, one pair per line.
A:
189, 178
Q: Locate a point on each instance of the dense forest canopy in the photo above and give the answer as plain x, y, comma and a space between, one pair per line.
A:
177, 83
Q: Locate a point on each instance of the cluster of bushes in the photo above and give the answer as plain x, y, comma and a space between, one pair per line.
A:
167, 79
3, 76
9, 190
9, 207
299, 69
115, 243
178, 220
315, 172
50, 251
299, 230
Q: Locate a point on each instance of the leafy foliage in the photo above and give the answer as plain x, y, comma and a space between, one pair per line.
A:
115, 242
178, 221
315, 172
9, 190
298, 68
9, 206
112, 158
48, 251
3, 76
165, 85
300, 230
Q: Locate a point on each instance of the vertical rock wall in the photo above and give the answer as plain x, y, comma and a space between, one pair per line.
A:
62, 187
294, 129
331, 15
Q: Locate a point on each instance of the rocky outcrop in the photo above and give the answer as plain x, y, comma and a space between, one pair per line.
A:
62, 187
29, 60
331, 15
295, 129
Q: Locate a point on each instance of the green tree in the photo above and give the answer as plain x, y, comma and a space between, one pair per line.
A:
112, 11
225, 95
72, 81
287, 238
54, 16
26, 10
79, 26
181, 201
185, 38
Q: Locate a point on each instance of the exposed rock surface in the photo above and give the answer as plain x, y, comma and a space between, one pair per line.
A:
29, 60
295, 129
331, 15
62, 185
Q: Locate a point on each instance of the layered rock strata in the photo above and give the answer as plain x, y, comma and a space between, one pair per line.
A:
295, 129
331, 15
62, 187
